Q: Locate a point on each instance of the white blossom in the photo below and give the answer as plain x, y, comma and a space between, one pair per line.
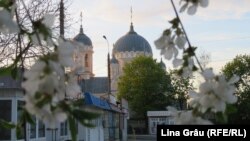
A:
57, 68
164, 42
65, 53
180, 41
225, 90
187, 117
39, 39
214, 93
205, 101
44, 113
7, 25
72, 87
191, 9
170, 52
177, 62
188, 70
46, 80
48, 20
52, 119
166, 45
184, 7
234, 79
208, 74
36, 40
203, 3
33, 77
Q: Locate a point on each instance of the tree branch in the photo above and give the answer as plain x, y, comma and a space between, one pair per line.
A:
186, 36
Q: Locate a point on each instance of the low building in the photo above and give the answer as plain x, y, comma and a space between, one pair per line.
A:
111, 125
11, 98
158, 118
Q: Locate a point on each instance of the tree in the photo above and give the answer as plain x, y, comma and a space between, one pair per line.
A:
181, 87
29, 26
144, 84
240, 66
12, 44
205, 58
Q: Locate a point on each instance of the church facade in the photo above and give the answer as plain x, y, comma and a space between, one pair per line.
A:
125, 49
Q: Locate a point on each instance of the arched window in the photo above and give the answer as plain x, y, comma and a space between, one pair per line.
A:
86, 60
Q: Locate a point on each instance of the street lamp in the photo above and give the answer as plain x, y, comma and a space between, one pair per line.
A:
107, 42
109, 79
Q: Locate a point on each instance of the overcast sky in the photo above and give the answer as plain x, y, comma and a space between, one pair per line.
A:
221, 30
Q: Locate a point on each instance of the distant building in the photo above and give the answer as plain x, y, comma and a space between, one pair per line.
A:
113, 121
11, 97
158, 118
126, 49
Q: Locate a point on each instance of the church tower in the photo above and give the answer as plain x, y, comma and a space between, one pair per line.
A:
85, 55
125, 49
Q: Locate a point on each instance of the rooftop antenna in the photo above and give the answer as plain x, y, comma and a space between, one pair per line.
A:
131, 14
81, 18
131, 20
81, 29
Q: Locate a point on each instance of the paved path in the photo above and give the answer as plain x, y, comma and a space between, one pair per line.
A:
141, 138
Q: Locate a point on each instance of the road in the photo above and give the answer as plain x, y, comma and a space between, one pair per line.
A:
141, 138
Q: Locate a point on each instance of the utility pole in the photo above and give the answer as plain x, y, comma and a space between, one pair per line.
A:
61, 19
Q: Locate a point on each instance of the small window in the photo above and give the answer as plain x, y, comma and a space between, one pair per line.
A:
33, 129
5, 134
86, 60
41, 129
64, 128
20, 105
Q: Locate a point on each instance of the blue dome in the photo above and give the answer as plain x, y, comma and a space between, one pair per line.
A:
132, 42
82, 38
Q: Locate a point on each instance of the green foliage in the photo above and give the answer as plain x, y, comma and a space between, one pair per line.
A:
72, 127
5, 71
11, 70
7, 125
241, 67
144, 84
181, 87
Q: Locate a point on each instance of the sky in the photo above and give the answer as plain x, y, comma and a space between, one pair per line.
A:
221, 30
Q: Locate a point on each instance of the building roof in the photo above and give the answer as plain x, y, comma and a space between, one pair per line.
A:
95, 101
132, 42
158, 113
9, 82
95, 85
83, 38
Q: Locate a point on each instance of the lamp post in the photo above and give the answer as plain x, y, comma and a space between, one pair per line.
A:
108, 60
109, 80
